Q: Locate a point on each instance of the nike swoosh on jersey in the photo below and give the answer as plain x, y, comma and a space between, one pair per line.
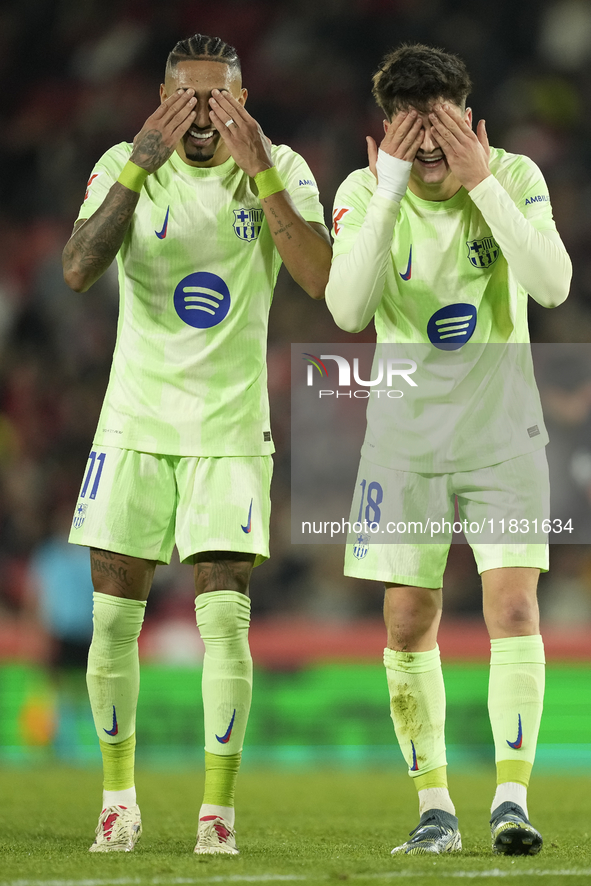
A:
224, 739
162, 234
519, 740
248, 526
415, 765
115, 728
408, 272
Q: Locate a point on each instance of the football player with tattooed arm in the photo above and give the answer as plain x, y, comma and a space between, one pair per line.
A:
440, 241
199, 212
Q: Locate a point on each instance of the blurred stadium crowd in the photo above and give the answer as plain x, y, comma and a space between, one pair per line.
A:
81, 76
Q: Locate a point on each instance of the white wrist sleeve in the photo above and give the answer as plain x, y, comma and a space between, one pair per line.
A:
393, 176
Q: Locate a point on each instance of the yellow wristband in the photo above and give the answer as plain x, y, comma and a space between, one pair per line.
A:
268, 182
133, 176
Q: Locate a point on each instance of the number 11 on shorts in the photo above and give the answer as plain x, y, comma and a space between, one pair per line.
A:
99, 461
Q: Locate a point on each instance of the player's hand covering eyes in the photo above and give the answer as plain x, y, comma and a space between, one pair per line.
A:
162, 131
241, 133
467, 152
402, 140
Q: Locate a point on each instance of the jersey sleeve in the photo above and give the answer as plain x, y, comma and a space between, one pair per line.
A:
103, 176
299, 182
525, 184
363, 227
514, 201
350, 208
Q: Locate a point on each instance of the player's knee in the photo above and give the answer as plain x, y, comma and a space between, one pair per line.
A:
408, 627
517, 618
223, 619
513, 614
223, 571
405, 636
411, 615
117, 622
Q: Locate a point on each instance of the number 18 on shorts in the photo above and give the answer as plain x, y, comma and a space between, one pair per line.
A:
507, 503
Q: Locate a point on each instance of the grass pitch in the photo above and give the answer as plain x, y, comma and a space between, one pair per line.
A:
301, 827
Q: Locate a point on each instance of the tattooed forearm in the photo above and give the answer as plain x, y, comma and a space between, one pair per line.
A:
283, 228
95, 243
149, 152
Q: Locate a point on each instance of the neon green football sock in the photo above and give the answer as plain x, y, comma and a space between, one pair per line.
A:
515, 701
118, 764
113, 673
435, 778
417, 708
223, 618
221, 773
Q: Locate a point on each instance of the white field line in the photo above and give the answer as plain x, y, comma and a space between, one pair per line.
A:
495, 873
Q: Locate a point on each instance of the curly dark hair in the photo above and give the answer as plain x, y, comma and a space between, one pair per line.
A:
200, 47
414, 75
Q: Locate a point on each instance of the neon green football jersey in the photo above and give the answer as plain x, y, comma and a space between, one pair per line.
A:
449, 287
197, 271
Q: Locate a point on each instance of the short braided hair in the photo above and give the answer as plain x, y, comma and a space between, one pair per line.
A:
200, 47
414, 75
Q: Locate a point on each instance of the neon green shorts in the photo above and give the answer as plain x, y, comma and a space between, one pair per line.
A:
141, 504
391, 508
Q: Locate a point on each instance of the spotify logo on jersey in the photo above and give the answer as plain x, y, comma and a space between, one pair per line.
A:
452, 326
202, 300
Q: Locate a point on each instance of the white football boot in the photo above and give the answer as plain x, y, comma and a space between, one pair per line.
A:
215, 837
118, 830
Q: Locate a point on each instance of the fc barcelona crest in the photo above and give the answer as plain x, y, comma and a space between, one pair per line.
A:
361, 547
247, 223
483, 253
79, 516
